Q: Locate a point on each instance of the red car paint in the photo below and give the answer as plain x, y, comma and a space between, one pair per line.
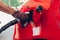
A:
49, 21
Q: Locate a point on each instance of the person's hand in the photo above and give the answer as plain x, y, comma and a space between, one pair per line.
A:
21, 16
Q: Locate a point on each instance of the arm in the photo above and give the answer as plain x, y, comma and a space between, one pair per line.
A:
6, 8
17, 14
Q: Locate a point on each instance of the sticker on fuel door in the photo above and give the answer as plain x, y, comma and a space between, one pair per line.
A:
36, 31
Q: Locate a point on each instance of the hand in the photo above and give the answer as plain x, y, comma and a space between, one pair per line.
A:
22, 17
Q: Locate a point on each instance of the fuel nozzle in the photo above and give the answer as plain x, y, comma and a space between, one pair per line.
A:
39, 8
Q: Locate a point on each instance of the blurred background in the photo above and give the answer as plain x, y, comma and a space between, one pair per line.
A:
5, 18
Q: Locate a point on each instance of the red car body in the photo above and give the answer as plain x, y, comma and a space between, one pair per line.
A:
49, 21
